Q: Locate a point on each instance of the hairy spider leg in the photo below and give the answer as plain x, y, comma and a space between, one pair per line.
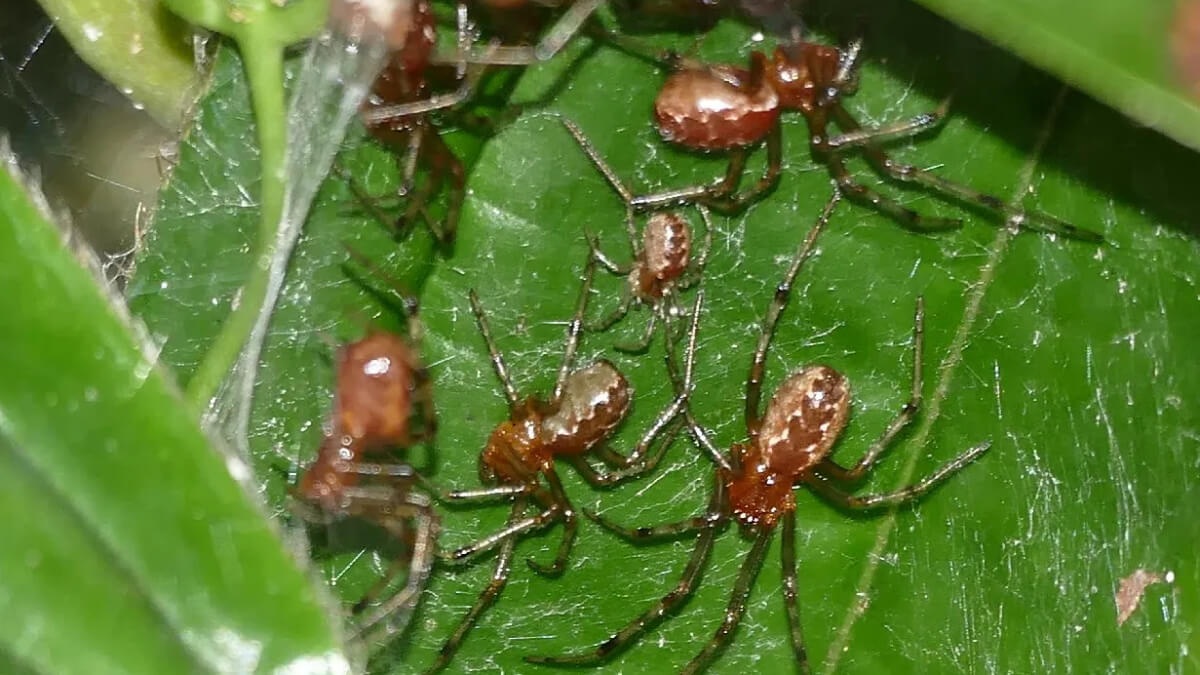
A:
510, 392
832, 469
566, 27
487, 598
751, 566
707, 527
639, 462
393, 615
787, 560
783, 293
830, 491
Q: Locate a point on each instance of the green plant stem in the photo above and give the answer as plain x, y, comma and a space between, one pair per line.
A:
264, 70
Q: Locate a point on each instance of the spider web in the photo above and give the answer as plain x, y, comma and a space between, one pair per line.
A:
1072, 359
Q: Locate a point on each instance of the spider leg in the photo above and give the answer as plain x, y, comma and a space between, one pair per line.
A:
905, 416
782, 293
835, 494
675, 529
907, 173
715, 516
875, 135
636, 461
574, 327
412, 157
636, 628
732, 203
698, 433
369, 202
907, 217
605, 261
642, 343
423, 398
406, 471
627, 298
602, 166
443, 164
737, 603
382, 114
625, 471
451, 496
510, 392
702, 439
668, 60
486, 598
509, 532
567, 25
420, 197
570, 527
846, 78
397, 610
711, 194
612, 317
788, 562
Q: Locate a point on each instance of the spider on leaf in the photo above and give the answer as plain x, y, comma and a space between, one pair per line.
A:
723, 108
788, 445
585, 408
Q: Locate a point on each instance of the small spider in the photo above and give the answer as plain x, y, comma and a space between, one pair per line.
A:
725, 108
381, 384
587, 405
662, 264
788, 445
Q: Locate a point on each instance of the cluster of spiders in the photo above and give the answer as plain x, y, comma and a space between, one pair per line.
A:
383, 403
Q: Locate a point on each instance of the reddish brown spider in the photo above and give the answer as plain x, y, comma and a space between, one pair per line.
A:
662, 265
396, 114
725, 108
380, 385
790, 444
397, 111
586, 407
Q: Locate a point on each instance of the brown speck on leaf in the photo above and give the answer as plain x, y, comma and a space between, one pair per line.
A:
1185, 44
1129, 595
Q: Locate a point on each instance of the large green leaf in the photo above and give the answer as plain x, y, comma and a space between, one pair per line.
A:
128, 545
1073, 359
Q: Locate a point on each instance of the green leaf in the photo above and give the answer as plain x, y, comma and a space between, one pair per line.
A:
138, 46
1124, 52
128, 546
1073, 359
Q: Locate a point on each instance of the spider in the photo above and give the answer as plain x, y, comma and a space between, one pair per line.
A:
662, 264
381, 383
397, 112
788, 445
587, 404
725, 108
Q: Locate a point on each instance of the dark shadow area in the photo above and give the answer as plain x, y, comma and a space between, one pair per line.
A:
94, 150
